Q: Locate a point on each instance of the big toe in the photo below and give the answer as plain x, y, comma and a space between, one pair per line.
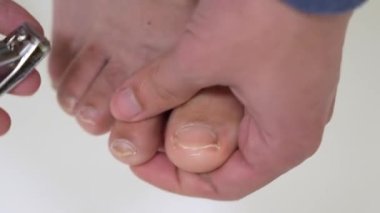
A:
203, 133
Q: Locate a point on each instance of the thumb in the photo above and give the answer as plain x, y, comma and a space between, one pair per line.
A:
164, 84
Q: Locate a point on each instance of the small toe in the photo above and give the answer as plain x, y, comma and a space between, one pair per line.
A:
61, 55
79, 76
136, 143
93, 110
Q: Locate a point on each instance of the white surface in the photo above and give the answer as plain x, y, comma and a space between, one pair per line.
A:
47, 164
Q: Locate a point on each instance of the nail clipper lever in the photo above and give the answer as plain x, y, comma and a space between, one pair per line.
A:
20, 52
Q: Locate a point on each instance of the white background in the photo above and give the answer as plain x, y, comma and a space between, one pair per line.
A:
48, 164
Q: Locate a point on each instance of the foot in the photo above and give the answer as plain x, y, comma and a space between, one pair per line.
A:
97, 45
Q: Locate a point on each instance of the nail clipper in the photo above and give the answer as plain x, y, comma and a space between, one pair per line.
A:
20, 52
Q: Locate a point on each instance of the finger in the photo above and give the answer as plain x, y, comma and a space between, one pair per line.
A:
168, 82
255, 164
5, 122
203, 133
12, 15
234, 180
28, 86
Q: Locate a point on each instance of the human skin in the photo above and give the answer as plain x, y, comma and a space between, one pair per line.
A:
96, 45
281, 64
11, 16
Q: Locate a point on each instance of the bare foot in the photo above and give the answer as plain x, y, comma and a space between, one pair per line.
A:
97, 45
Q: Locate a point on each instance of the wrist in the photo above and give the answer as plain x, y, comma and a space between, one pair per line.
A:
279, 15
324, 6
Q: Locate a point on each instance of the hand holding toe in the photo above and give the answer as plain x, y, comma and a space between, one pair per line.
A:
282, 66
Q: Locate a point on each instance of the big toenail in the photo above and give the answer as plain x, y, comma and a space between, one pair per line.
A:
128, 103
87, 115
123, 148
196, 137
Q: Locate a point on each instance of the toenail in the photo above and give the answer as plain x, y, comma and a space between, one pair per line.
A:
123, 148
196, 137
69, 104
128, 103
87, 115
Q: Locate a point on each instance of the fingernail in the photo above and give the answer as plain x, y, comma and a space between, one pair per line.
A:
87, 115
129, 103
123, 148
196, 137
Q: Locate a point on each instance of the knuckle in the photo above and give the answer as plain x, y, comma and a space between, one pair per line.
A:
161, 88
301, 150
164, 93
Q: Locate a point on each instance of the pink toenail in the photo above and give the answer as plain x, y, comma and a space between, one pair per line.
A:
123, 148
88, 115
196, 137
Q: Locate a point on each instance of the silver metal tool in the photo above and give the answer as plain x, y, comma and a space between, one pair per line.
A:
20, 52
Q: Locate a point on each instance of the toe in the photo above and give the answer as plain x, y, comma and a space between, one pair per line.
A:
136, 143
79, 76
93, 110
203, 133
94, 117
67, 36
61, 55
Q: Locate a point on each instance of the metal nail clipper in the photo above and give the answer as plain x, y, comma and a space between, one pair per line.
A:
20, 52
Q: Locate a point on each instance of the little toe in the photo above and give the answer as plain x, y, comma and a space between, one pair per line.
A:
136, 143
203, 133
79, 76
60, 57
71, 30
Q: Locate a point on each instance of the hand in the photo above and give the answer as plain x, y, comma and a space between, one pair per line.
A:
11, 16
282, 65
